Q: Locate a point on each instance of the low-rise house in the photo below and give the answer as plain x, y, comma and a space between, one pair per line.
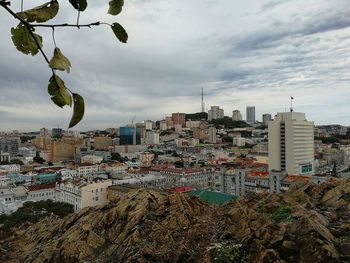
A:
41, 192
82, 193
85, 169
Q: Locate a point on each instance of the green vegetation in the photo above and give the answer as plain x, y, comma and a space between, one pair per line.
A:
115, 156
26, 40
282, 213
228, 123
26, 138
229, 254
197, 116
34, 211
13, 161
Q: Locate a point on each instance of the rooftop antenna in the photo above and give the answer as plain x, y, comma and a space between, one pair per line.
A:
203, 106
291, 103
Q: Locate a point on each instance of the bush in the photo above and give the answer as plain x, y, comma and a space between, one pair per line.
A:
282, 213
34, 211
229, 254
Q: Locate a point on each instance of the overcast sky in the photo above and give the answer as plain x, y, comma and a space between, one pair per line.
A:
249, 52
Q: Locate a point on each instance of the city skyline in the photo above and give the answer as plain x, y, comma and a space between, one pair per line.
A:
164, 69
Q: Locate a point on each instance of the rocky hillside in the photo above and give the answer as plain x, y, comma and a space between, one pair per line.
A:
309, 223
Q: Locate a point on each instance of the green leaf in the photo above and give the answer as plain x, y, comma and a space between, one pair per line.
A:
115, 7
40, 13
78, 111
59, 61
120, 32
59, 92
79, 5
23, 40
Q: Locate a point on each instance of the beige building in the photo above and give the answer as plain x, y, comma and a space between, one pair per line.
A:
102, 142
236, 115
65, 148
82, 193
43, 142
291, 144
85, 169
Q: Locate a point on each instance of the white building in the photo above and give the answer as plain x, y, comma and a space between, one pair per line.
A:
212, 134
93, 159
192, 124
11, 168
236, 115
250, 114
68, 173
291, 144
238, 141
81, 193
85, 169
12, 198
215, 113
148, 125
41, 192
152, 137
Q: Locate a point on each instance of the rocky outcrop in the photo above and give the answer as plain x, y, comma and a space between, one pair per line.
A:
308, 223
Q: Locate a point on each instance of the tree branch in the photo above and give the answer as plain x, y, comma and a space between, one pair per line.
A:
5, 4
67, 25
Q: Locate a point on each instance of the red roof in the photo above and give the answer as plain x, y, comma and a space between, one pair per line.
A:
37, 187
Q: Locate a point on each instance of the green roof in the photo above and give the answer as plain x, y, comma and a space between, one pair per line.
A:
46, 176
212, 197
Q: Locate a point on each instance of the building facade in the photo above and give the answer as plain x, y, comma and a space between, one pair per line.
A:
215, 113
250, 116
236, 115
291, 144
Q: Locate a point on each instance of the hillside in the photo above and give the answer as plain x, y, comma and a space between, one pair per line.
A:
309, 223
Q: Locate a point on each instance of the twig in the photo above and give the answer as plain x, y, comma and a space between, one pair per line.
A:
67, 25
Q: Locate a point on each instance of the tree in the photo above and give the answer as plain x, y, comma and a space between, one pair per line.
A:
27, 41
38, 158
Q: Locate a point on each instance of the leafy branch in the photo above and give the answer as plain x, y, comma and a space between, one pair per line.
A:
28, 42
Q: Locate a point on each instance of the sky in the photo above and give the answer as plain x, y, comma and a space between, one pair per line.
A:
251, 52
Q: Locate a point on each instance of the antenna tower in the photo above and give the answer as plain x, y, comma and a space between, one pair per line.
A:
203, 106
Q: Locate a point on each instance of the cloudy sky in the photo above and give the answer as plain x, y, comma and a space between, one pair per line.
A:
249, 52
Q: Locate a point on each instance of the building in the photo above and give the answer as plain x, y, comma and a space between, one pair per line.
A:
43, 142
85, 169
10, 145
149, 125
250, 114
236, 115
291, 144
4, 157
102, 142
83, 193
44, 132
152, 137
146, 158
212, 134
41, 192
266, 118
130, 136
57, 132
215, 113
192, 124
65, 148
179, 118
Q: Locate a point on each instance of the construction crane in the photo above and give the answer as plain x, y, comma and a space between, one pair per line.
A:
134, 131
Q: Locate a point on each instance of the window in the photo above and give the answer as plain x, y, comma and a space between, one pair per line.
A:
96, 198
101, 190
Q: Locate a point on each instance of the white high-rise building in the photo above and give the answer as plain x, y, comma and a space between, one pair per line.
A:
236, 115
291, 144
152, 137
212, 134
250, 114
215, 113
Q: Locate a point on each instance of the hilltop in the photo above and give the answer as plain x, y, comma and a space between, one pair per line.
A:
308, 223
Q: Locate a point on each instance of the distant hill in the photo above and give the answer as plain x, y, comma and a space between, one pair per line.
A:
197, 116
228, 123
